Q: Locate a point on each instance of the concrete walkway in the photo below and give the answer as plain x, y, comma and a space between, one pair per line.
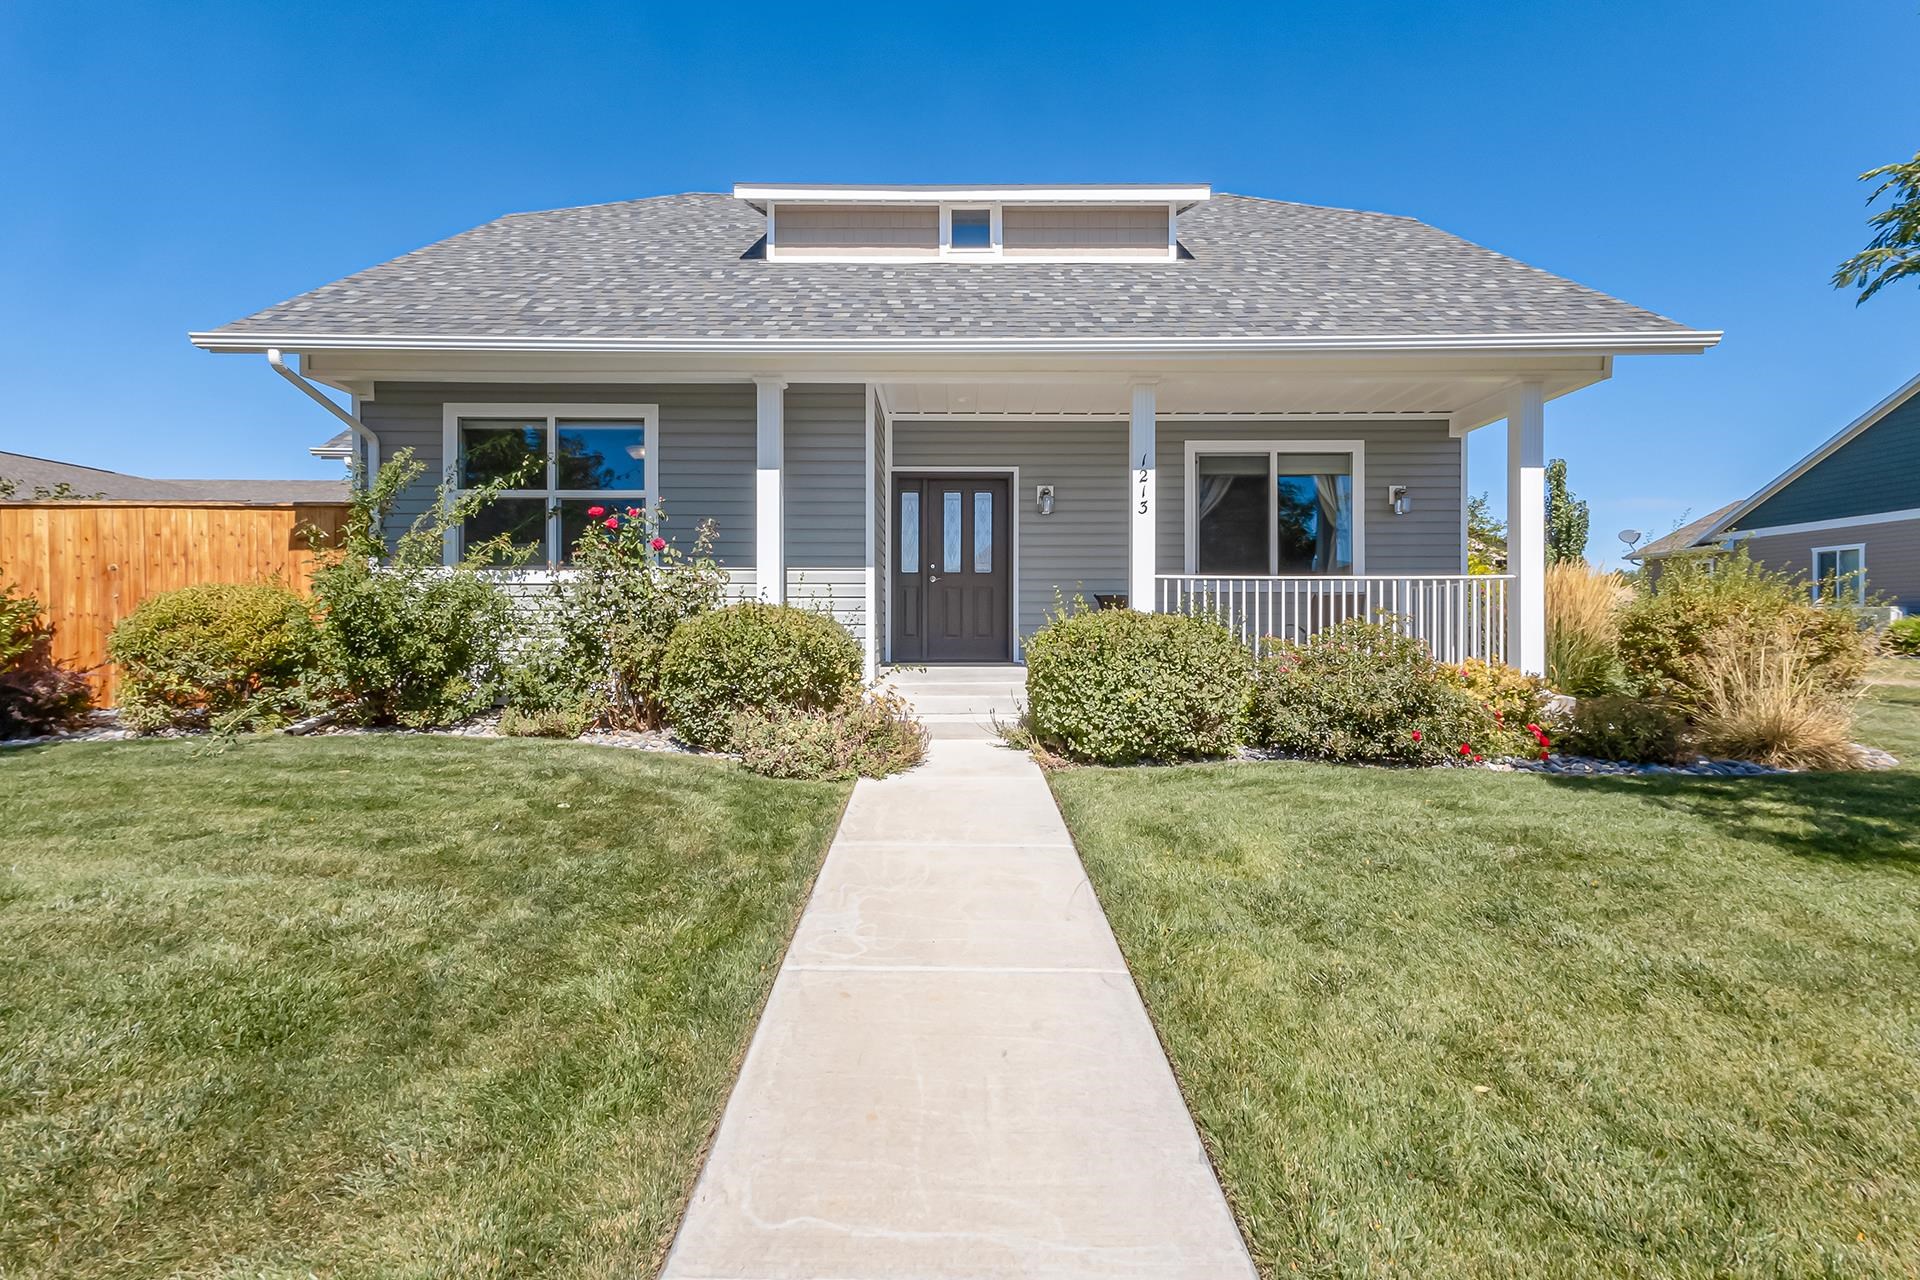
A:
955, 1076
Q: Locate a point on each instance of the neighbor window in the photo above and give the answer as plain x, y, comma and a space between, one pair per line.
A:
557, 466
971, 229
1840, 572
1273, 509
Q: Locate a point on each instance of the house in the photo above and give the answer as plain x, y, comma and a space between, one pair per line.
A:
1846, 516
24, 478
936, 410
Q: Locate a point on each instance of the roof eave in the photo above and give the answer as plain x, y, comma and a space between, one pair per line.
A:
1648, 342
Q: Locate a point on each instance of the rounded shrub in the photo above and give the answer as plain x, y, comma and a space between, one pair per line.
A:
1903, 637
1616, 727
213, 652
1114, 686
754, 657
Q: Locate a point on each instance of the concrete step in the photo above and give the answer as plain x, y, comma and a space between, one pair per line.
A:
949, 727
1002, 702
997, 672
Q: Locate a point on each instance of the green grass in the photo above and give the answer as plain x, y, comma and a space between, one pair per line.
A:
376, 1006
1466, 1024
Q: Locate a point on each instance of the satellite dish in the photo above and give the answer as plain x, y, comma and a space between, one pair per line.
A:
1631, 536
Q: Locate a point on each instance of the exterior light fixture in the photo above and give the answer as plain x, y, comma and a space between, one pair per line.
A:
1043, 499
1397, 499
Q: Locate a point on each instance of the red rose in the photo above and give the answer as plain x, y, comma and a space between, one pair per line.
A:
1466, 748
658, 544
596, 512
1416, 735
633, 513
613, 522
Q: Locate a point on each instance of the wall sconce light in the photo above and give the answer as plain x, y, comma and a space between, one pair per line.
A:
1043, 499
1397, 499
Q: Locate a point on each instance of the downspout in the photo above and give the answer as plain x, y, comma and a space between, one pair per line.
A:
367, 439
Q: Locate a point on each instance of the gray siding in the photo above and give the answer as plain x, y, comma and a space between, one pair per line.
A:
1878, 470
1122, 232
1420, 455
1892, 556
907, 230
825, 488
706, 446
1082, 546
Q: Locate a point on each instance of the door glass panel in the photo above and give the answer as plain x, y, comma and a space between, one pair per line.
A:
1230, 520
910, 531
950, 532
600, 455
983, 531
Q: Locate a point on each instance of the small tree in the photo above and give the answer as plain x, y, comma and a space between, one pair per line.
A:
1894, 251
1486, 538
1566, 517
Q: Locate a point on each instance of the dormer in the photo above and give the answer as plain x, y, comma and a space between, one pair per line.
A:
908, 223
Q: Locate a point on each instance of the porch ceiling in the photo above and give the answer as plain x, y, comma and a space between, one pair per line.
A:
1468, 398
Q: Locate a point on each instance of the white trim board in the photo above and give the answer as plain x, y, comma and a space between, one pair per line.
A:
1013, 531
1190, 512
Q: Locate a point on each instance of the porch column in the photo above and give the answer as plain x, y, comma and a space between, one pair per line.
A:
1142, 500
1527, 529
769, 520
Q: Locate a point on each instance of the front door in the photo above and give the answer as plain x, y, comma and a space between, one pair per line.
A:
952, 578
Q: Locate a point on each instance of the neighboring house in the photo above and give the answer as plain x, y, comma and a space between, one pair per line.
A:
1846, 516
936, 410
23, 476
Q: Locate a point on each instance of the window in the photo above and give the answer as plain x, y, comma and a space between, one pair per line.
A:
1840, 571
557, 462
1274, 508
971, 229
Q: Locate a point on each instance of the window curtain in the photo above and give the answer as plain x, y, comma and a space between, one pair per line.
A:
1213, 491
1333, 533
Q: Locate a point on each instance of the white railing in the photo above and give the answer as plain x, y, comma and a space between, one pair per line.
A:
1460, 616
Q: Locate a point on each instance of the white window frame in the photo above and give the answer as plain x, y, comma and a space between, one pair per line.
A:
947, 249
1859, 575
647, 415
1275, 450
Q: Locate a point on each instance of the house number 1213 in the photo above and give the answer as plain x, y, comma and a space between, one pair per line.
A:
1145, 475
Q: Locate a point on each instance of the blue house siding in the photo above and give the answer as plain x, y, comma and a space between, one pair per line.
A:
1878, 470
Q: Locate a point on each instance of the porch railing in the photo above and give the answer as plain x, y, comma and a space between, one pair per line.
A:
1460, 616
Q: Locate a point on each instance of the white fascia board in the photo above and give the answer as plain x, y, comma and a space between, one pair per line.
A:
1681, 341
1186, 194
1855, 428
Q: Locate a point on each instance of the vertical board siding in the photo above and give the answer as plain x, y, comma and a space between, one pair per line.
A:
706, 445
1871, 473
1418, 454
90, 564
1082, 547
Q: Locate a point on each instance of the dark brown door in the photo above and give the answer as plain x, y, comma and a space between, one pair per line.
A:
952, 569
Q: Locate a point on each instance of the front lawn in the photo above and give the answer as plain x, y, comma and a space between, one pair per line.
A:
1453, 1023
376, 1006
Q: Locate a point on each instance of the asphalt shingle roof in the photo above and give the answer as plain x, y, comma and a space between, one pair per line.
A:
31, 473
689, 267
1685, 537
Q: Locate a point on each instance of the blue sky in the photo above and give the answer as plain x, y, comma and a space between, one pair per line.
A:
174, 167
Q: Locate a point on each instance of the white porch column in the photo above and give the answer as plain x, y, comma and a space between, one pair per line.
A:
1142, 500
1527, 528
769, 515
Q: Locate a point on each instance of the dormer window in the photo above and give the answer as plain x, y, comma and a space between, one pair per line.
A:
971, 230
1034, 223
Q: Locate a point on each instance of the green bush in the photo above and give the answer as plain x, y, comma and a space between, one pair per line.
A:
1516, 702
1617, 727
1664, 632
753, 657
1113, 686
1903, 637
630, 587
38, 695
546, 697
1361, 691
218, 653
405, 639
870, 738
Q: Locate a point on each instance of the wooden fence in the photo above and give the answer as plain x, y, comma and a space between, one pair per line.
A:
91, 563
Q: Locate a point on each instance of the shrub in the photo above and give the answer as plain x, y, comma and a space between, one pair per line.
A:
1361, 691
870, 738
1515, 701
1903, 637
1759, 698
629, 590
1618, 727
1583, 629
38, 694
753, 657
546, 697
407, 640
219, 652
1113, 686
1664, 633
